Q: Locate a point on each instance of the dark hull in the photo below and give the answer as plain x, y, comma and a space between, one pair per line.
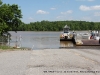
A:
73, 40
66, 39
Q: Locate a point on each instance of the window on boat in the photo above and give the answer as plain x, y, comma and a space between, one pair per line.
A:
65, 31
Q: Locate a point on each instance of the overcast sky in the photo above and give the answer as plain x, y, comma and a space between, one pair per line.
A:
58, 10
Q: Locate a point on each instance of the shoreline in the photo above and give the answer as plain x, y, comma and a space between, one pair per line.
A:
76, 47
6, 50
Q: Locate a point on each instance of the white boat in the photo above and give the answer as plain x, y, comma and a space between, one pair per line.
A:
66, 35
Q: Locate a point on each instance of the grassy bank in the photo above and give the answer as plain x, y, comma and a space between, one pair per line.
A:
8, 48
5, 47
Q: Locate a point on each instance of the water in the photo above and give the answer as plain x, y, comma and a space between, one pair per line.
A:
40, 40
36, 40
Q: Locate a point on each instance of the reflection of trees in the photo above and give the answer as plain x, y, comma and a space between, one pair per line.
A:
4, 39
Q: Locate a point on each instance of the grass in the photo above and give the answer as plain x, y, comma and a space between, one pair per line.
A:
3, 47
12, 48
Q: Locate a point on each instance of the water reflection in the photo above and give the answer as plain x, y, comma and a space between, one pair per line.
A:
40, 40
66, 44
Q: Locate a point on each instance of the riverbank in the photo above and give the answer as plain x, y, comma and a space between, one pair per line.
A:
29, 49
14, 49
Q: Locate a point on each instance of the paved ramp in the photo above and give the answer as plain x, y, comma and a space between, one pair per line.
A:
64, 62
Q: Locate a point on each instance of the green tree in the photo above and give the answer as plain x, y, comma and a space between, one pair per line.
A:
9, 17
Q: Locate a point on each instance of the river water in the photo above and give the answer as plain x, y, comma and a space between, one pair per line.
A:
39, 40
36, 40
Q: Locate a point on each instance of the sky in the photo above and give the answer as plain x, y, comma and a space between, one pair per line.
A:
58, 10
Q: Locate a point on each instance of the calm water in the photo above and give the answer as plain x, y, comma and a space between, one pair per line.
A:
36, 40
39, 40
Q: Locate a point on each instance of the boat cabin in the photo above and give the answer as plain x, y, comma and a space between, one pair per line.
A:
66, 29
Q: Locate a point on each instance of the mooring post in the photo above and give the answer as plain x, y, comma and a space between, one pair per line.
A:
8, 40
16, 44
20, 38
32, 47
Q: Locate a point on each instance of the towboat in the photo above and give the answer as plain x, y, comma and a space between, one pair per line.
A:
66, 35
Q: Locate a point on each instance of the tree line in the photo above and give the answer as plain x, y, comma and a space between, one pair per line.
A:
10, 20
58, 25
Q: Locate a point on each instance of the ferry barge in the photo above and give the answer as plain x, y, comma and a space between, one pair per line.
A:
66, 35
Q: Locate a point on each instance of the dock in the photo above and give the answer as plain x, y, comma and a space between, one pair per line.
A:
91, 42
80, 39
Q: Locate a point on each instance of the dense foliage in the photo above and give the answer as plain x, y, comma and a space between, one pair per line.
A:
9, 17
58, 26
